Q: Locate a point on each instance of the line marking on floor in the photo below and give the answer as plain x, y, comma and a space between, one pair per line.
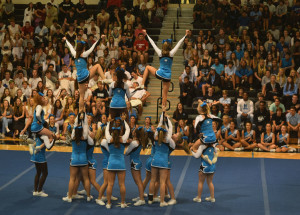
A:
74, 206
22, 173
179, 184
264, 187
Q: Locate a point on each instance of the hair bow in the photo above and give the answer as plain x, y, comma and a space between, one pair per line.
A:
133, 115
161, 129
103, 125
80, 41
117, 118
203, 104
140, 127
119, 68
90, 114
41, 94
116, 128
78, 127
167, 40
185, 138
71, 114
148, 117
51, 115
149, 130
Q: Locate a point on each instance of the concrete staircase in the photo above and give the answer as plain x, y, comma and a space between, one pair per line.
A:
165, 33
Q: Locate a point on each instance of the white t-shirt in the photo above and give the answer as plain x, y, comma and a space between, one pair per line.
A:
14, 30
26, 92
139, 80
87, 93
67, 74
34, 82
19, 82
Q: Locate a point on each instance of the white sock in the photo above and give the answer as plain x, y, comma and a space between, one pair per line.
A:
201, 148
47, 142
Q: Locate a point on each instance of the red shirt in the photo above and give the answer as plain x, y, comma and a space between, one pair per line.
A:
27, 30
141, 45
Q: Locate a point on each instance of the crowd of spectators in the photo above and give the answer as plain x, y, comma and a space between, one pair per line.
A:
250, 48
34, 58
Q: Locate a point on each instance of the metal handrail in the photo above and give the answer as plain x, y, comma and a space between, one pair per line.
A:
174, 32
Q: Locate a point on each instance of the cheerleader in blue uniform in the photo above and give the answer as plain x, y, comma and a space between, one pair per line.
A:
232, 138
166, 60
37, 126
117, 90
160, 162
134, 149
248, 137
283, 140
90, 151
39, 159
206, 171
83, 74
79, 161
116, 160
267, 140
224, 127
203, 126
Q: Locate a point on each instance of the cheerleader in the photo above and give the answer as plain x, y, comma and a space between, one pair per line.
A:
224, 127
92, 162
39, 159
166, 60
83, 74
218, 135
206, 171
79, 162
117, 90
248, 137
203, 126
267, 139
160, 162
283, 140
37, 126
232, 138
134, 149
116, 160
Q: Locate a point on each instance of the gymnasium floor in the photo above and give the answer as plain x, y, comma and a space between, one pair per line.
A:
244, 183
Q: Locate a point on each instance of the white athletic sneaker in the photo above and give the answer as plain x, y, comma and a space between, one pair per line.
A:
139, 203
34, 193
291, 150
156, 199
150, 202
77, 196
113, 198
42, 194
196, 199
7, 130
100, 202
168, 196
226, 149
135, 199
81, 192
67, 199
163, 204
145, 195
260, 150
124, 205
238, 149
89, 198
272, 150
172, 202
108, 206
209, 199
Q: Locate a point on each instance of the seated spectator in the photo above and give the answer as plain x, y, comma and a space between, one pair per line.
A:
219, 68
214, 81
232, 138
12, 89
245, 110
141, 65
138, 97
28, 54
187, 73
275, 105
287, 63
136, 78
211, 98
141, 46
289, 89
281, 78
230, 75
203, 72
259, 73
178, 114
278, 119
40, 34
294, 102
187, 94
293, 122
103, 19
18, 117
65, 77
98, 110
265, 80
272, 89
244, 74
267, 140
6, 96
58, 112
100, 93
225, 100
215, 110
6, 113
261, 116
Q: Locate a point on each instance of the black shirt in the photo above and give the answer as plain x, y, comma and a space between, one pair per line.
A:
278, 119
177, 116
261, 117
102, 94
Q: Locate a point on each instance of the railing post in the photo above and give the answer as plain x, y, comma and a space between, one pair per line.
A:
177, 18
174, 31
